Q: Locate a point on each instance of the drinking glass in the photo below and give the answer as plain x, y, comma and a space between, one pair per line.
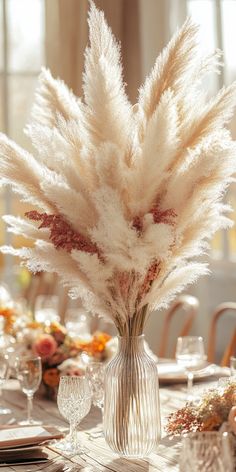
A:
233, 366
46, 309
77, 322
95, 372
209, 451
4, 374
190, 354
29, 374
74, 403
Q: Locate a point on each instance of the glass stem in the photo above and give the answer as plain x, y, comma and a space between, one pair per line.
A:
29, 408
190, 382
0, 396
73, 435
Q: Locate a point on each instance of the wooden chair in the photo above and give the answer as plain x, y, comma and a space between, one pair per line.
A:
231, 346
189, 305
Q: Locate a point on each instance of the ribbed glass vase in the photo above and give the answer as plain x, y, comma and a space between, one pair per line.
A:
131, 408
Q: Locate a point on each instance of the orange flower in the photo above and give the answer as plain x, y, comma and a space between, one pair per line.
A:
212, 423
51, 377
34, 325
9, 315
96, 346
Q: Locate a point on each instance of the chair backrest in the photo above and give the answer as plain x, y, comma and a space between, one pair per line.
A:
231, 345
189, 305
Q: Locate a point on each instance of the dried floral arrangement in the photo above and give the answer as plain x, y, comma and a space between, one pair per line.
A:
209, 414
125, 197
60, 353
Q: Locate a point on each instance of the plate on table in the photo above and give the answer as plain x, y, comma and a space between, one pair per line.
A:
20, 436
171, 372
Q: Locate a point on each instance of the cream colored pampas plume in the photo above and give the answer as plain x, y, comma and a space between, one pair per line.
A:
125, 197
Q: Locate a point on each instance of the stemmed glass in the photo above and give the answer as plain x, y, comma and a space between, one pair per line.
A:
46, 309
95, 372
4, 374
74, 403
29, 373
190, 354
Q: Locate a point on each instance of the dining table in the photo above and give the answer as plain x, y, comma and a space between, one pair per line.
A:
99, 457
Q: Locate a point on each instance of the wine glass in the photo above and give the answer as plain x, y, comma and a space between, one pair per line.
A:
46, 309
95, 372
29, 374
233, 366
74, 403
210, 451
190, 354
77, 322
4, 374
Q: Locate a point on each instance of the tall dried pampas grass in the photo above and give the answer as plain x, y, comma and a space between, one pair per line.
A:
126, 197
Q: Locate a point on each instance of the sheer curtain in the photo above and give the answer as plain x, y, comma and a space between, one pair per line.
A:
143, 27
67, 36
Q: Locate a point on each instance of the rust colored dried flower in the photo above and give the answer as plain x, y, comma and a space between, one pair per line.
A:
163, 216
208, 415
62, 235
183, 421
151, 275
159, 216
137, 224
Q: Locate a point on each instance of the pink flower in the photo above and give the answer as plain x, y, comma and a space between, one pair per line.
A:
45, 346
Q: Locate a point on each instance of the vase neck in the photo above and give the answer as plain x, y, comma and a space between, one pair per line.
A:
131, 343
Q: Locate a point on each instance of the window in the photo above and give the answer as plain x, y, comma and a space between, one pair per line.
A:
217, 30
21, 57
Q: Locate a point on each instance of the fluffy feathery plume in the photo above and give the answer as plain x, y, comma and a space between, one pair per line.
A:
125, 198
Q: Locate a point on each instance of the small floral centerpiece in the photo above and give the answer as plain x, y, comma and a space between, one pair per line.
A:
60, 353
216, 407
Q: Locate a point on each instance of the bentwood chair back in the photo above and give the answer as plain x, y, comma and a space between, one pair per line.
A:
230, 348
190, 306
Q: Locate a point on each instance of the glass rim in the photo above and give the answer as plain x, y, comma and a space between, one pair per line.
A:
28, 357
138, 336
189, 337
72, 377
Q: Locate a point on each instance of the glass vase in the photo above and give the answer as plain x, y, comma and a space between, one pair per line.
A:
131, 404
